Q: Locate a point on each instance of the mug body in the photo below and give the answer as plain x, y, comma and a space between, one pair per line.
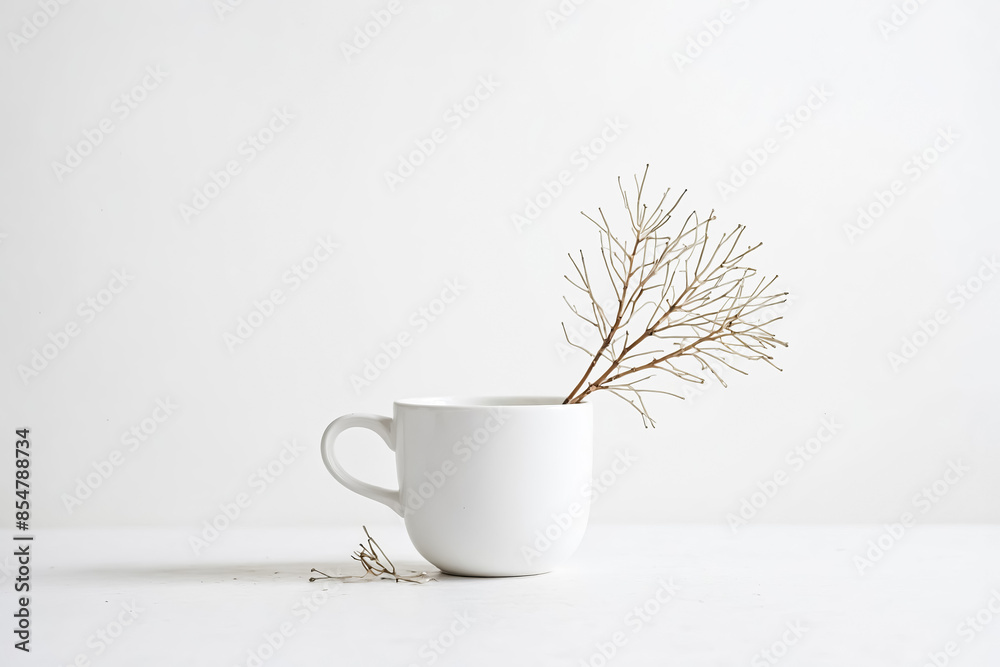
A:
494, 486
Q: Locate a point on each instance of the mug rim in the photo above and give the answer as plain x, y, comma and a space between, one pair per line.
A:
479, 401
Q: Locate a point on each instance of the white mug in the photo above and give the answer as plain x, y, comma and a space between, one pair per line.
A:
488, 486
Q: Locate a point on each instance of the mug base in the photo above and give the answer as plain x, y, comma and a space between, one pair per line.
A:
473, 575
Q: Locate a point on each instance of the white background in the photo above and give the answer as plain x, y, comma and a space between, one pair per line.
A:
558, 83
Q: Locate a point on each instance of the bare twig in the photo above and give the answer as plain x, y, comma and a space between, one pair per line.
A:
699, 297
376, 564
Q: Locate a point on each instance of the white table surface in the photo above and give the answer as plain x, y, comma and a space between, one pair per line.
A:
736, 595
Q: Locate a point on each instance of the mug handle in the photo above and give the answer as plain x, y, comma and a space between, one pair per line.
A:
382, 426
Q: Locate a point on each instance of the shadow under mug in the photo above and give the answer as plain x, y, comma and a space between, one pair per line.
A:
488, 486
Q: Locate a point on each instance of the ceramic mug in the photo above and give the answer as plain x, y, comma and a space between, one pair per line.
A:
488, 486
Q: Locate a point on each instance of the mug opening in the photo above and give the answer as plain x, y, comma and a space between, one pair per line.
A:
482, 401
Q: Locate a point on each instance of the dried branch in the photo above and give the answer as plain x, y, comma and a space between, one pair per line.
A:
700, 297
377, 565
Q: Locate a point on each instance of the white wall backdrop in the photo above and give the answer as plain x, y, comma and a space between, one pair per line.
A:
169, 167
